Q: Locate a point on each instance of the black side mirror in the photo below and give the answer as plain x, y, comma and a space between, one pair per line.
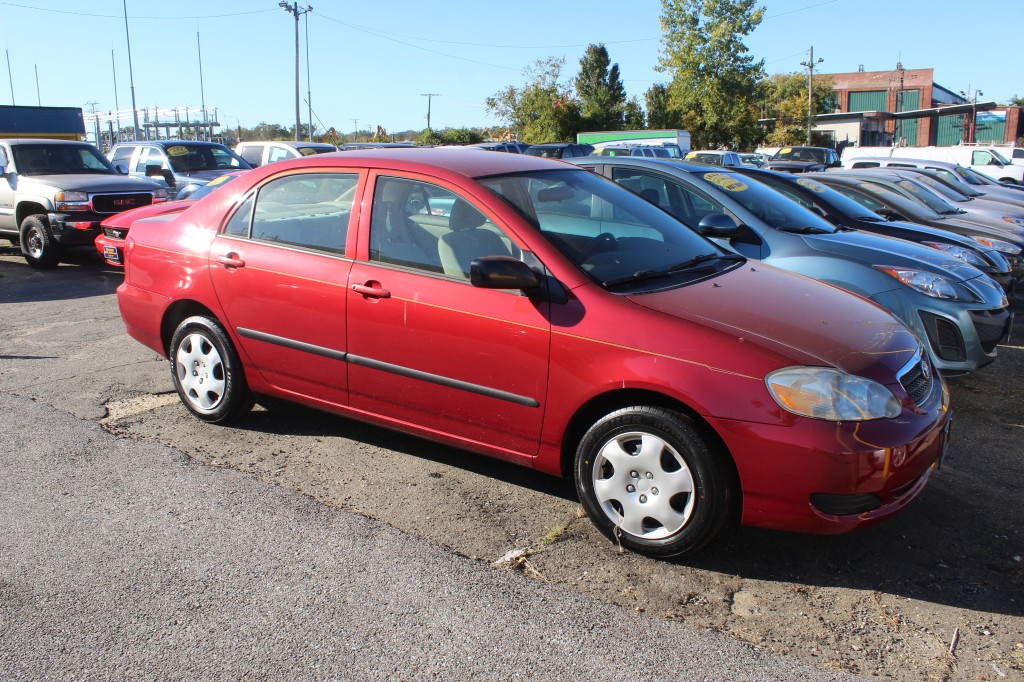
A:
155, 170
503, 272
718, 225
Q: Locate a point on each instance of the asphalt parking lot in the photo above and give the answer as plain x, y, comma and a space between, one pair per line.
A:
935, 593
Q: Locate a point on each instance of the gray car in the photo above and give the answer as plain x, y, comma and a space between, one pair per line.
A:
961, 311
184, 165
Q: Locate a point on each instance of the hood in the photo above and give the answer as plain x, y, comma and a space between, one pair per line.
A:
127, 218
801, 319
876, 249
88, 182
201, 177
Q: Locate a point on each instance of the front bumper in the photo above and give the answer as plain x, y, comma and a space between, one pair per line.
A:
74, 229
111, 249
834, 477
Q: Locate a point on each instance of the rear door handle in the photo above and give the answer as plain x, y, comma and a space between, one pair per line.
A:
231, 261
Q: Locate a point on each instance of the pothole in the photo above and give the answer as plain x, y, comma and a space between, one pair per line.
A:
122, 409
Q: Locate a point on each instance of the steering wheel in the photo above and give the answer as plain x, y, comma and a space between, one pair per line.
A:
599, 244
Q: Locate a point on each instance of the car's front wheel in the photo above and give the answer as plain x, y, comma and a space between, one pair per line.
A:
37, 243
651, 482
207, 372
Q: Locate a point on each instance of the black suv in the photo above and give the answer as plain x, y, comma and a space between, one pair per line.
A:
803, 159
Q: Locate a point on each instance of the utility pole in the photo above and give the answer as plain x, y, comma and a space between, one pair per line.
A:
810, 64
9, 78
309, 96
355, 130
131, 78
430, 96
295, 11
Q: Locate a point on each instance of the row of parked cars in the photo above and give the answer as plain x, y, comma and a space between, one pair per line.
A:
695, 346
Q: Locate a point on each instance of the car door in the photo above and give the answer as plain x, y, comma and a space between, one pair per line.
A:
280, 273
428, 349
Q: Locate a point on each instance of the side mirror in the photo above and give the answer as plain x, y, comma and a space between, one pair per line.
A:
717, 225
503, 272
155, 170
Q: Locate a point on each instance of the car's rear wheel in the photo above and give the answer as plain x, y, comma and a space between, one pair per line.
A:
37, 243
651, 482
207, 372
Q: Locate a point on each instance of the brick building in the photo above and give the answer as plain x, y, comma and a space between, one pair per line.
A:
872, 108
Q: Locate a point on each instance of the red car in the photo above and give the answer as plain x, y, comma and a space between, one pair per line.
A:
547, 317
110, 241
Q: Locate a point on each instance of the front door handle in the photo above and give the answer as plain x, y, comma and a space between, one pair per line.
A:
231, 260
371, 290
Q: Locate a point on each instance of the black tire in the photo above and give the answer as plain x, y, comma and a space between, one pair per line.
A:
207, 372
38, 246
624, 500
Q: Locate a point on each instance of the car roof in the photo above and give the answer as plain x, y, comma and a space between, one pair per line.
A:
38, 140
168, 143
289, 143
469, 162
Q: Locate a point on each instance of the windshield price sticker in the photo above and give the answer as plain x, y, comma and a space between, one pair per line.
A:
726, 182
177, 151
811, 185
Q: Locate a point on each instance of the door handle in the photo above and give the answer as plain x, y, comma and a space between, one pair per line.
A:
231, 261
371, 291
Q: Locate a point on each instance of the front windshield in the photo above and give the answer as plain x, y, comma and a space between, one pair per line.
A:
766, 204
840, 203
942, 190
800, 154
186, 158
954, 180
54, 159
970, 176
617, 238
899, 202
1002, 159
921, 194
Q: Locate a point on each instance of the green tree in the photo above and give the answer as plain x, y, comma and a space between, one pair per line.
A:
450, 136
784, 99
543, 110
715, 80
660, 114
1016, 101
599, 88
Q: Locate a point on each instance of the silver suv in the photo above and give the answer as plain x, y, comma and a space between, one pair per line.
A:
54, 193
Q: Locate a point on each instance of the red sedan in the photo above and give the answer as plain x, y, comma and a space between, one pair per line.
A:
110, 241
524, 309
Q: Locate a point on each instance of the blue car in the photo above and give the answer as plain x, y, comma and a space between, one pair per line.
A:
961, 312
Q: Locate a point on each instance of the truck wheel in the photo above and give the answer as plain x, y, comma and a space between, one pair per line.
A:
37, 244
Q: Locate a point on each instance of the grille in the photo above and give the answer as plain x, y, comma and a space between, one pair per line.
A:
992, 327
917, 381
115, 203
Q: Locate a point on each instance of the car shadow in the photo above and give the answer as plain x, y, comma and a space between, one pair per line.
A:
82, 273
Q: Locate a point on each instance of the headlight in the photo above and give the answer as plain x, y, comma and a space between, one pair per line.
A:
1019, 222
964, 254
71, 201
997, 245
831, 394
928, 283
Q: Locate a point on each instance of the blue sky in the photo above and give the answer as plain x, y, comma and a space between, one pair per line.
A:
372, 62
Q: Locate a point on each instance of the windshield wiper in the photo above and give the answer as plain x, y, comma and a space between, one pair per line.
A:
807, 229
690, 265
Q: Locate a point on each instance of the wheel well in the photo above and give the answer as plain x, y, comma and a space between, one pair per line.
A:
178, 311
26, 209
606, 403
1009, 181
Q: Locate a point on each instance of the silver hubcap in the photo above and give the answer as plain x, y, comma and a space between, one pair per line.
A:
33, 242
200, 372
643, 485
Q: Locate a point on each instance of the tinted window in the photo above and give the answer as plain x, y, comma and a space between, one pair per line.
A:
185, 158
310, 210
50, 159
253, 153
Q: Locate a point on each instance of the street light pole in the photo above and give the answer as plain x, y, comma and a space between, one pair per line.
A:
810, 63
309, 96
295, 11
